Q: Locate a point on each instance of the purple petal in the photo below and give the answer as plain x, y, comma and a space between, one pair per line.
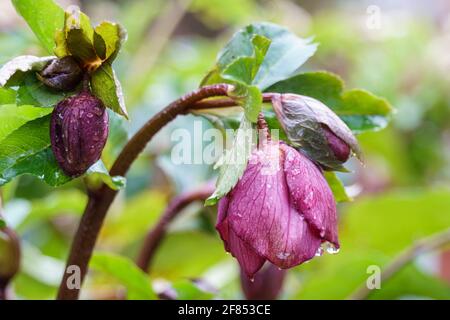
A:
249, 261
260, 212
311, 194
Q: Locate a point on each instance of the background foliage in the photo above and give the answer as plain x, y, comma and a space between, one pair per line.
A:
400, 195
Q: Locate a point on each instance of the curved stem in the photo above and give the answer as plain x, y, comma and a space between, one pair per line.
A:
100, 200
225, 102
155, 235
425, 245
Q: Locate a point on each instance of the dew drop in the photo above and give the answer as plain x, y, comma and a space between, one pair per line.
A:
319, 252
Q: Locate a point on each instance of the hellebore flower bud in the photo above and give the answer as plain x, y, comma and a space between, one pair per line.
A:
318, 131
61, 74
266, 285
78, 132
9, 256
281, 210
340, 149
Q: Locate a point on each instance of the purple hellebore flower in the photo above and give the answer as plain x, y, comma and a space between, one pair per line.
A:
283, 215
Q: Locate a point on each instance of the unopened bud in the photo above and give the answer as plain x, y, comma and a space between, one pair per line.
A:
61, 74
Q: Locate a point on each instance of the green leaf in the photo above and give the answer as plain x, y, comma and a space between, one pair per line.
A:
359, 109
250, 98
107, 87
27, 151
233, 162
337, 187
42, 165
108, 38
283, 57
13, 117
2, 223
244, 69
12, 72
34, 92
79, 35
98, 171
44, 17
7, 96
126, 272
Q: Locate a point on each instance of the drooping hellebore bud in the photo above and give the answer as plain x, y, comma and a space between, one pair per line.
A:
78, 132
281, 210
9, 256
61, 74
318, 131
266, 285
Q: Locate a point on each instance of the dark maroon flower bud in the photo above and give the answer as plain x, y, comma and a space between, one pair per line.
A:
9, 257
316, 130
266, 285
61, 74
281, 210
78, 132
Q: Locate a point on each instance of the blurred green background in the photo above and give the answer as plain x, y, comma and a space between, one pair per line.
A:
401, 193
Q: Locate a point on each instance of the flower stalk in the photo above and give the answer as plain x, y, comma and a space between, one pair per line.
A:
157, 233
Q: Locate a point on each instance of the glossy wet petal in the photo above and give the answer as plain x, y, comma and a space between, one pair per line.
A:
310, 194
261, 214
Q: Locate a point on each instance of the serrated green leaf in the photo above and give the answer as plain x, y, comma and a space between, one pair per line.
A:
337, 187
44, 17
233, 162
99, 171
244, 69
359, 109
107, 87
12, 72
126, 272
283, 57
34, 92
13, 117
27, 151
